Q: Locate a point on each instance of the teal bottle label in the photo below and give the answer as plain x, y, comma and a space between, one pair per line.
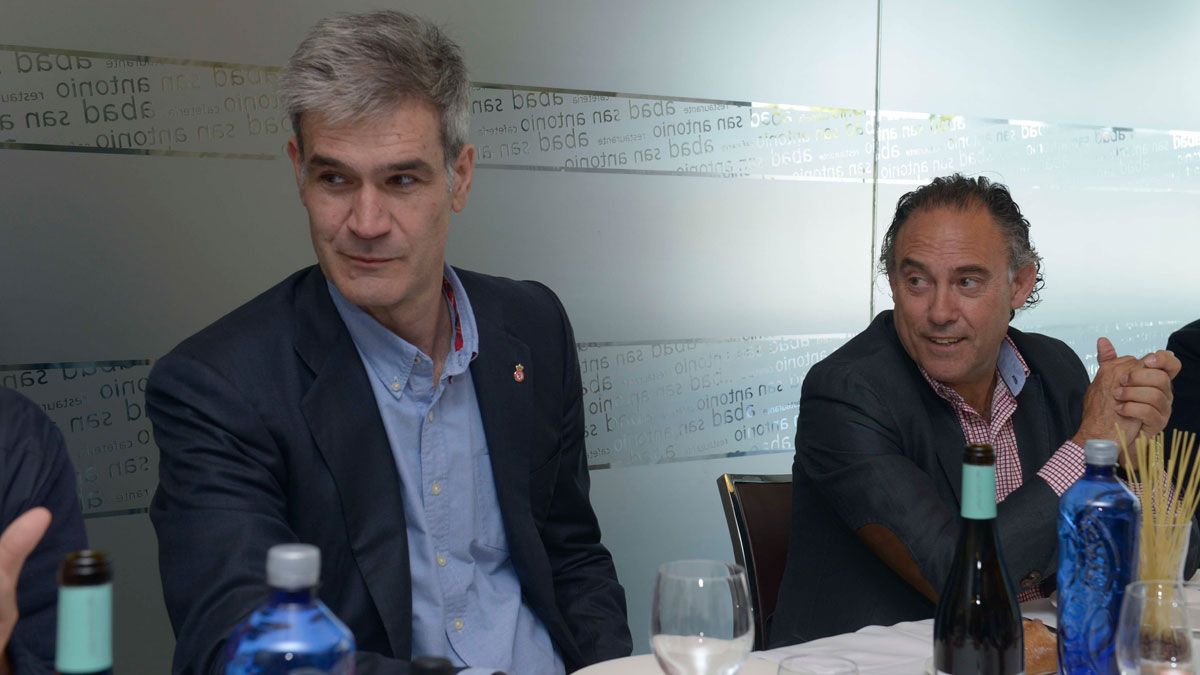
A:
979, 492
84, 629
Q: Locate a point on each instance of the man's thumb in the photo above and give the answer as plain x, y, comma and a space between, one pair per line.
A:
1105, 351
21, 537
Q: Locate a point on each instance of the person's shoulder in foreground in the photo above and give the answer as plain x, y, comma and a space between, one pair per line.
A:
35, 471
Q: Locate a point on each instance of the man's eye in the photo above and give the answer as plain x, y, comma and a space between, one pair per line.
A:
332, 179
916, 282
969, 282
403, 180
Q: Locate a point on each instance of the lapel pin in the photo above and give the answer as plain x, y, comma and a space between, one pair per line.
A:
519, 373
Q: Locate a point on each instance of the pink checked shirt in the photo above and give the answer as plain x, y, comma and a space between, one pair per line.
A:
1063, 468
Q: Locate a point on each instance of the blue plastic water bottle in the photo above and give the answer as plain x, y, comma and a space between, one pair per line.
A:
293, 632
1097, 558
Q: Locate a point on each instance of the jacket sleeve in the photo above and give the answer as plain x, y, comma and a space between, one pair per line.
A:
38, 472
587, 592
221, 503
1185, 411
849, 444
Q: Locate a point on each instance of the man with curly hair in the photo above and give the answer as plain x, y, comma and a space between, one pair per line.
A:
883, 420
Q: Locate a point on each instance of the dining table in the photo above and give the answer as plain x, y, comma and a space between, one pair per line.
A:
905, 648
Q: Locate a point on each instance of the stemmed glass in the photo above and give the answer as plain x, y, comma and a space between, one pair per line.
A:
1153, 635
701, 622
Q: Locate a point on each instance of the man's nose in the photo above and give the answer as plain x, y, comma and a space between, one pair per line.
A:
369, 218
944, 309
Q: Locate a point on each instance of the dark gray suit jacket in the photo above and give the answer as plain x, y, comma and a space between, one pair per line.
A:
270, 433
876, 444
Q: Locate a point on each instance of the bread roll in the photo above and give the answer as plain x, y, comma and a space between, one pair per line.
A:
1041, 648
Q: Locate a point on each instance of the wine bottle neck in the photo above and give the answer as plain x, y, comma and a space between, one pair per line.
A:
979, 492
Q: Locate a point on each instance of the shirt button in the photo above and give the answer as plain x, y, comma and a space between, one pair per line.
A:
429, 416
436, 489
395, 385
458, 624
441, 559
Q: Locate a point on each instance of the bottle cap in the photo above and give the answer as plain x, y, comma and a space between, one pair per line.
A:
292, 567
88, 567
1100, 452
979, 454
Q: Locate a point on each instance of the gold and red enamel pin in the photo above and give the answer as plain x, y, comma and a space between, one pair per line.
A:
519, 373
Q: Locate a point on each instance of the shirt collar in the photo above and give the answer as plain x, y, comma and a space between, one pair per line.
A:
392, 358
1010, 365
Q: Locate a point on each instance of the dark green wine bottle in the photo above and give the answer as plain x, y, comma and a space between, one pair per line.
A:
977, 629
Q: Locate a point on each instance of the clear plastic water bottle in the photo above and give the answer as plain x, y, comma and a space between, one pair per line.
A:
1097, 557
293, 632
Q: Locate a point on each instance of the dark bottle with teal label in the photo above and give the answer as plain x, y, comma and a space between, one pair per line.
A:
84, 645
977, 627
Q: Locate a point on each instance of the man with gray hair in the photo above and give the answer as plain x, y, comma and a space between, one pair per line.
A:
883, 420
421, 424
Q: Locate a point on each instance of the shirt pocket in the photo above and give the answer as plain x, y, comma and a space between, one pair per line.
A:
489, 527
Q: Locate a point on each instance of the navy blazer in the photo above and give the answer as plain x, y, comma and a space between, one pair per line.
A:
270, 433
876, 444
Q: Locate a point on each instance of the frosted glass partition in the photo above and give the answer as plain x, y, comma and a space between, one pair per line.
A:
758, 186
670, 47
1097, 63
100, 410
72, 100
1075, 106
1108, 208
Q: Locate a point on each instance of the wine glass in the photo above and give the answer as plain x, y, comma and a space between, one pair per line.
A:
701, 622
1153, 634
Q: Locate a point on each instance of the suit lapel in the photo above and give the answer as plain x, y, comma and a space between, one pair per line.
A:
947, 435
344, 420
505, 406
942, 435
1032, 427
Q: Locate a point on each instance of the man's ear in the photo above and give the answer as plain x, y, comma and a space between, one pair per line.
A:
293, 150
464, 171
1022, 285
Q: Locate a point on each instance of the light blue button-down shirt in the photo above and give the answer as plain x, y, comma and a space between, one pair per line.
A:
466, 598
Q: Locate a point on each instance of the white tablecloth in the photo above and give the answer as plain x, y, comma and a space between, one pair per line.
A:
902, 649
